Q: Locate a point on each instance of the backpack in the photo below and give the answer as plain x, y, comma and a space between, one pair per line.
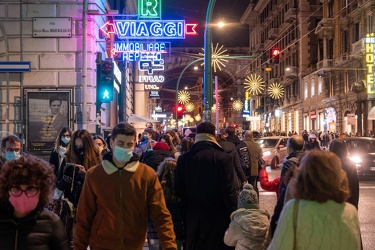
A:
64, 209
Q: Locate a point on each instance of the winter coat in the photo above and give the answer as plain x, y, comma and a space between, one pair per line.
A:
233, 139
229, 148
351, 172
248, 230
42, 230
115, 204
250, 153
204, 181
270, 186
328, 225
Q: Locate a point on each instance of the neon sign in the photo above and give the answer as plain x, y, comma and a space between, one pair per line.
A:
134, 51
369, 57
149, 8
149, 29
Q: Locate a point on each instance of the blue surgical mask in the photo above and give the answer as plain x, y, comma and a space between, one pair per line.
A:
122, 154
145, 137
12, 156
65, 139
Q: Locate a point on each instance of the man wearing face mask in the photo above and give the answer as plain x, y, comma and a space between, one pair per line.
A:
117, 197
11, 149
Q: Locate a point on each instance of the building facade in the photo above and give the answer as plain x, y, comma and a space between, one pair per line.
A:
322, 64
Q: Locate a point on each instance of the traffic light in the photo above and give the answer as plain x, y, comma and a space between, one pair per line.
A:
104, 81
179, 110
275, 55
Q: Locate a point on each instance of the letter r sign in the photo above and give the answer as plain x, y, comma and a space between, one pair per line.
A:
149, 8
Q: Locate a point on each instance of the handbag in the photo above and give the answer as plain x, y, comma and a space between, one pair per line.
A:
295, 215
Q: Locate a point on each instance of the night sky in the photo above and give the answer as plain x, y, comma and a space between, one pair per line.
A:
228, 11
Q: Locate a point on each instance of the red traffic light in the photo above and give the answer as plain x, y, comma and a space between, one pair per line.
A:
274, 52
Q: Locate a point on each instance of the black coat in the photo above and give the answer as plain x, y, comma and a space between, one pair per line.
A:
229, 148
154, 157
42, 231
352, 174
233, 139
204, 181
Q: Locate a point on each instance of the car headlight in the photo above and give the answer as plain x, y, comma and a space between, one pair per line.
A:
356, 159
266, 153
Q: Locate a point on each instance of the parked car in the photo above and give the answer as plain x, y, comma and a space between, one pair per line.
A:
274, 149
362, 153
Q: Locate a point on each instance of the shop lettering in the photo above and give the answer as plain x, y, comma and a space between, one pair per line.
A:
157, 79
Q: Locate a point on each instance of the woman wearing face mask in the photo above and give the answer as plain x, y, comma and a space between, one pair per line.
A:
82, 154
102, 145
25, 188
61, 145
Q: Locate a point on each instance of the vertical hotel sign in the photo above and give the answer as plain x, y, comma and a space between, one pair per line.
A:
370, 63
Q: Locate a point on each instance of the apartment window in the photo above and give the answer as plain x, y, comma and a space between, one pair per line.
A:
320, 85
330, 9
369, 23
346, 80
344, 41
306, 91
313, 87
355, 32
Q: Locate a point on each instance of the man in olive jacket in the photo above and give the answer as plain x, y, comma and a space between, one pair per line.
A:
117, 198
204, 181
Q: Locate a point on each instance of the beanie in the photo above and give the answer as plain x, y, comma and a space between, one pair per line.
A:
161, 146
248, 198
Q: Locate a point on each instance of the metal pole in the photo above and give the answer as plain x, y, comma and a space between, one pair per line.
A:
207, 79
84, 64
217, 103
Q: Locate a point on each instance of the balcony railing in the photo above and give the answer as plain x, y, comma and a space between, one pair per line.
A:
273, 33
291, 15
327, 25
325, 63
357, 48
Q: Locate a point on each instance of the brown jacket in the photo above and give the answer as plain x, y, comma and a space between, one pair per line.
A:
114, 206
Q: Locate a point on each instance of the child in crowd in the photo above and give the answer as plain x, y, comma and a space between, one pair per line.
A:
249, 227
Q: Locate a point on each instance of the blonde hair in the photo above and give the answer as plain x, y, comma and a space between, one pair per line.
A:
321, 178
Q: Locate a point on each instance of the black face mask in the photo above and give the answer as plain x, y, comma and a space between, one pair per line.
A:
79, 150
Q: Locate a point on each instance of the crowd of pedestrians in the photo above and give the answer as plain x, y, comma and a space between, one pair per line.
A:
177, 191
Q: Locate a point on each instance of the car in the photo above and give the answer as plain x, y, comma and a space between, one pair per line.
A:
274, 149
362, 152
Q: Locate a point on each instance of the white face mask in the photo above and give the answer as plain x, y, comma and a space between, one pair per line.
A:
122, 154
65, 139
100, 149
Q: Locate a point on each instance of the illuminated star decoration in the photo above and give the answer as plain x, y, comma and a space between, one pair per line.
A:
217, 59
198, 117
213, 109
276, 90
189, 106
237, 105
254, 84
183, 96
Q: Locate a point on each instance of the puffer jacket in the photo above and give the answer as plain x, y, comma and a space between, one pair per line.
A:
248, 230
42, 230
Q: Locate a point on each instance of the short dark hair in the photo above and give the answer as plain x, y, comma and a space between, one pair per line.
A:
54, 98
11, 139
123, 128
230, 130
206, 127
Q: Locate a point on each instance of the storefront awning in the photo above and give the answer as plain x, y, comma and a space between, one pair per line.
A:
371, 114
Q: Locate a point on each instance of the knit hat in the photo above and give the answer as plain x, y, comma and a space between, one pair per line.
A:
161, 146
248, 198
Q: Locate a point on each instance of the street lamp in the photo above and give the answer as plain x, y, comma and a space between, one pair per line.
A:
207, 78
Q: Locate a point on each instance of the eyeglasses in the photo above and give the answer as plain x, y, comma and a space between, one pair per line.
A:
13, 149
29, 191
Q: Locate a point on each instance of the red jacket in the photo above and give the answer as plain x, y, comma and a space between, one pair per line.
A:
271, 186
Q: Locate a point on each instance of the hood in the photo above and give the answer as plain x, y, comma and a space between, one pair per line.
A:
255, 222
